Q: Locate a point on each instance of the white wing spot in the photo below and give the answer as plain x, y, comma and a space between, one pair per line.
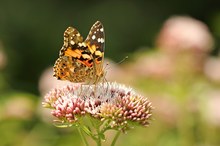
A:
83, 44
101, 40
80, 44
72, 42
101, 29
93, 37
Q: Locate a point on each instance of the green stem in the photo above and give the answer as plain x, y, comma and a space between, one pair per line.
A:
105, 127
98, 141
115, 138
96, 138
82, 136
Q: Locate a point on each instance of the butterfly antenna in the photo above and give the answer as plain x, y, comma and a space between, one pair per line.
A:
120, 62
106, 65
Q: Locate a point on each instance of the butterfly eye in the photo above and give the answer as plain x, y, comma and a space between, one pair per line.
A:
99, 59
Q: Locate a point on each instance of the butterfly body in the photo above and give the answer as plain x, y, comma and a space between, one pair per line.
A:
81, 60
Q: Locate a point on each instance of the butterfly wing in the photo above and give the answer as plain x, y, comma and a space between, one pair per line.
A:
67, 66
72, 41
81, 61
96, 43
96, 37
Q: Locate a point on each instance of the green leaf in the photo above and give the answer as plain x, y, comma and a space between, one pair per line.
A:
61, 124
87, 130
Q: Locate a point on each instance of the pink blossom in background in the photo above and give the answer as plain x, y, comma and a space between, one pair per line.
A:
212, 113
181, 33
212, 69
47, 81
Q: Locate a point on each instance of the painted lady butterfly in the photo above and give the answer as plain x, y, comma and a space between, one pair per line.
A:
81, 61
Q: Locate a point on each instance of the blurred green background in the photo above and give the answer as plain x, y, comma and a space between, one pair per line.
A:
183, 90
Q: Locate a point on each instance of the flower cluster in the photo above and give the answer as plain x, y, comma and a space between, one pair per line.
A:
110, 103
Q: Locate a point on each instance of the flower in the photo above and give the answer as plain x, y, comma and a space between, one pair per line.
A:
211, 113
212, 70
182, 33
112, 103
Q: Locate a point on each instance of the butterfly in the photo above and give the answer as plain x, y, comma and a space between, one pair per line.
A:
81, 60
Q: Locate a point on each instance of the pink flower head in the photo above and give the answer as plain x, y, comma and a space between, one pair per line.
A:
110, 103
182, 33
